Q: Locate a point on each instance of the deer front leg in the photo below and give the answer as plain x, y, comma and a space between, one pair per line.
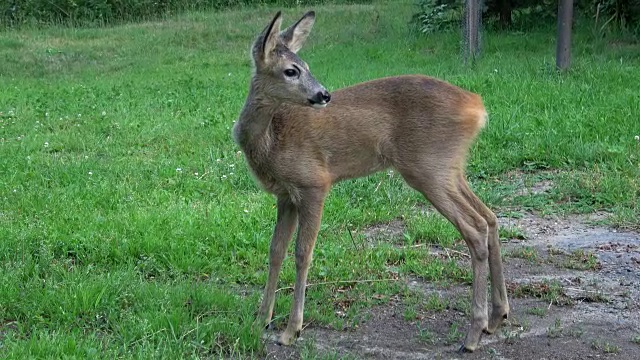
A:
285, 226
310, 213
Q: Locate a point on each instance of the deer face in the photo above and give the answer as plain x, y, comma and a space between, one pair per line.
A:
279, 71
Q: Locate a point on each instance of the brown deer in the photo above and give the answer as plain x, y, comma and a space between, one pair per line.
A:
298, 140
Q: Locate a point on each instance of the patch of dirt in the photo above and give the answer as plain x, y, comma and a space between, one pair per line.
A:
530, 184
537, 188
557, 310
383, 232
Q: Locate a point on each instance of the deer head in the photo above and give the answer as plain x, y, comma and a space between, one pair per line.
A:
279, 73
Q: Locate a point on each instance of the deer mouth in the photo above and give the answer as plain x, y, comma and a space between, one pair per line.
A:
320, 99
318, 105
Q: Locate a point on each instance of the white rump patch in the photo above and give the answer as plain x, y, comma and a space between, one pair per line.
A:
483, 119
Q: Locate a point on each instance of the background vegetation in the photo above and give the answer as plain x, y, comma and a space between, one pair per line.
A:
432, 14
130, 227
100, 12
604, 15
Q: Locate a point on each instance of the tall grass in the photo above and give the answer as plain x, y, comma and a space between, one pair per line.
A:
109, 12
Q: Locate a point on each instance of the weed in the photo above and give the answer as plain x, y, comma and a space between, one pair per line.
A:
426, 336
576, 332
550, 291
511, 337
527, 252
581, 260
605, 346
412, 301
463, 305
513, 332
493, 353
555, 251
436, 303
555, 330
512, 232
592, 297
454, 335
410, 313
538, 311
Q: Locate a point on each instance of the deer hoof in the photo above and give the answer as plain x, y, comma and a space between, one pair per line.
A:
463, 350
287, 339
495, 323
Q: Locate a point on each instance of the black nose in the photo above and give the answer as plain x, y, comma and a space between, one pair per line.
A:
324, 95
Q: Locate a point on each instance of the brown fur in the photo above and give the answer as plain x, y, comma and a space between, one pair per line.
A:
421, 126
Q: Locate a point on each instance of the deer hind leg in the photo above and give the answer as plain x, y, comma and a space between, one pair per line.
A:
285, 226
443, 192
499, 301
309, 216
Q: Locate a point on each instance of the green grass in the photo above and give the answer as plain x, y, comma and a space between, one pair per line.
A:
130, 226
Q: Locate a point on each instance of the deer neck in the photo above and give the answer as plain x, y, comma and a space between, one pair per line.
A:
255, 119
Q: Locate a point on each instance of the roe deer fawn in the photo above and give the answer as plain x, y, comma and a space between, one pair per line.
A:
297, 147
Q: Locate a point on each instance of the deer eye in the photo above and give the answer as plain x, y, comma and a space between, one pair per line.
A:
291, 73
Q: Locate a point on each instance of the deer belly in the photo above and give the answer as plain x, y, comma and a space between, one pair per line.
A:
357, 166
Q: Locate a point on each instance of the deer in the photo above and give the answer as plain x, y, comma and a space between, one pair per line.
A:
298, 140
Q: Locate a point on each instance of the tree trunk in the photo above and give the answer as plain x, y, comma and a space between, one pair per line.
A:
565, 20
472, 31
505, 13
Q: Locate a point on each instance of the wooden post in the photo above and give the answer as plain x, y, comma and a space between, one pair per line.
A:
565, 20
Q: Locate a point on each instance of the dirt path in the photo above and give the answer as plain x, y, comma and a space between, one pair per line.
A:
575, 294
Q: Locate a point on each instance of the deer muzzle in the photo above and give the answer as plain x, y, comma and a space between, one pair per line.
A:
320, 99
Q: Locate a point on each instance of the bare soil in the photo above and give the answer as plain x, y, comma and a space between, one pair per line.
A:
574, 294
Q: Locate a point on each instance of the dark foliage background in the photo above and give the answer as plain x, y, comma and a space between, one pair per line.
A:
437, 15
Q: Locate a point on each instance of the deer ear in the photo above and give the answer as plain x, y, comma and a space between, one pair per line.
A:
268, 39
295, 35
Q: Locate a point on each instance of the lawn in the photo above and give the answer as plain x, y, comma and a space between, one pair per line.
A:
131, 228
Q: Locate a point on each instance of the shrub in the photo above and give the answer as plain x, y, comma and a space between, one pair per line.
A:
434, 16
